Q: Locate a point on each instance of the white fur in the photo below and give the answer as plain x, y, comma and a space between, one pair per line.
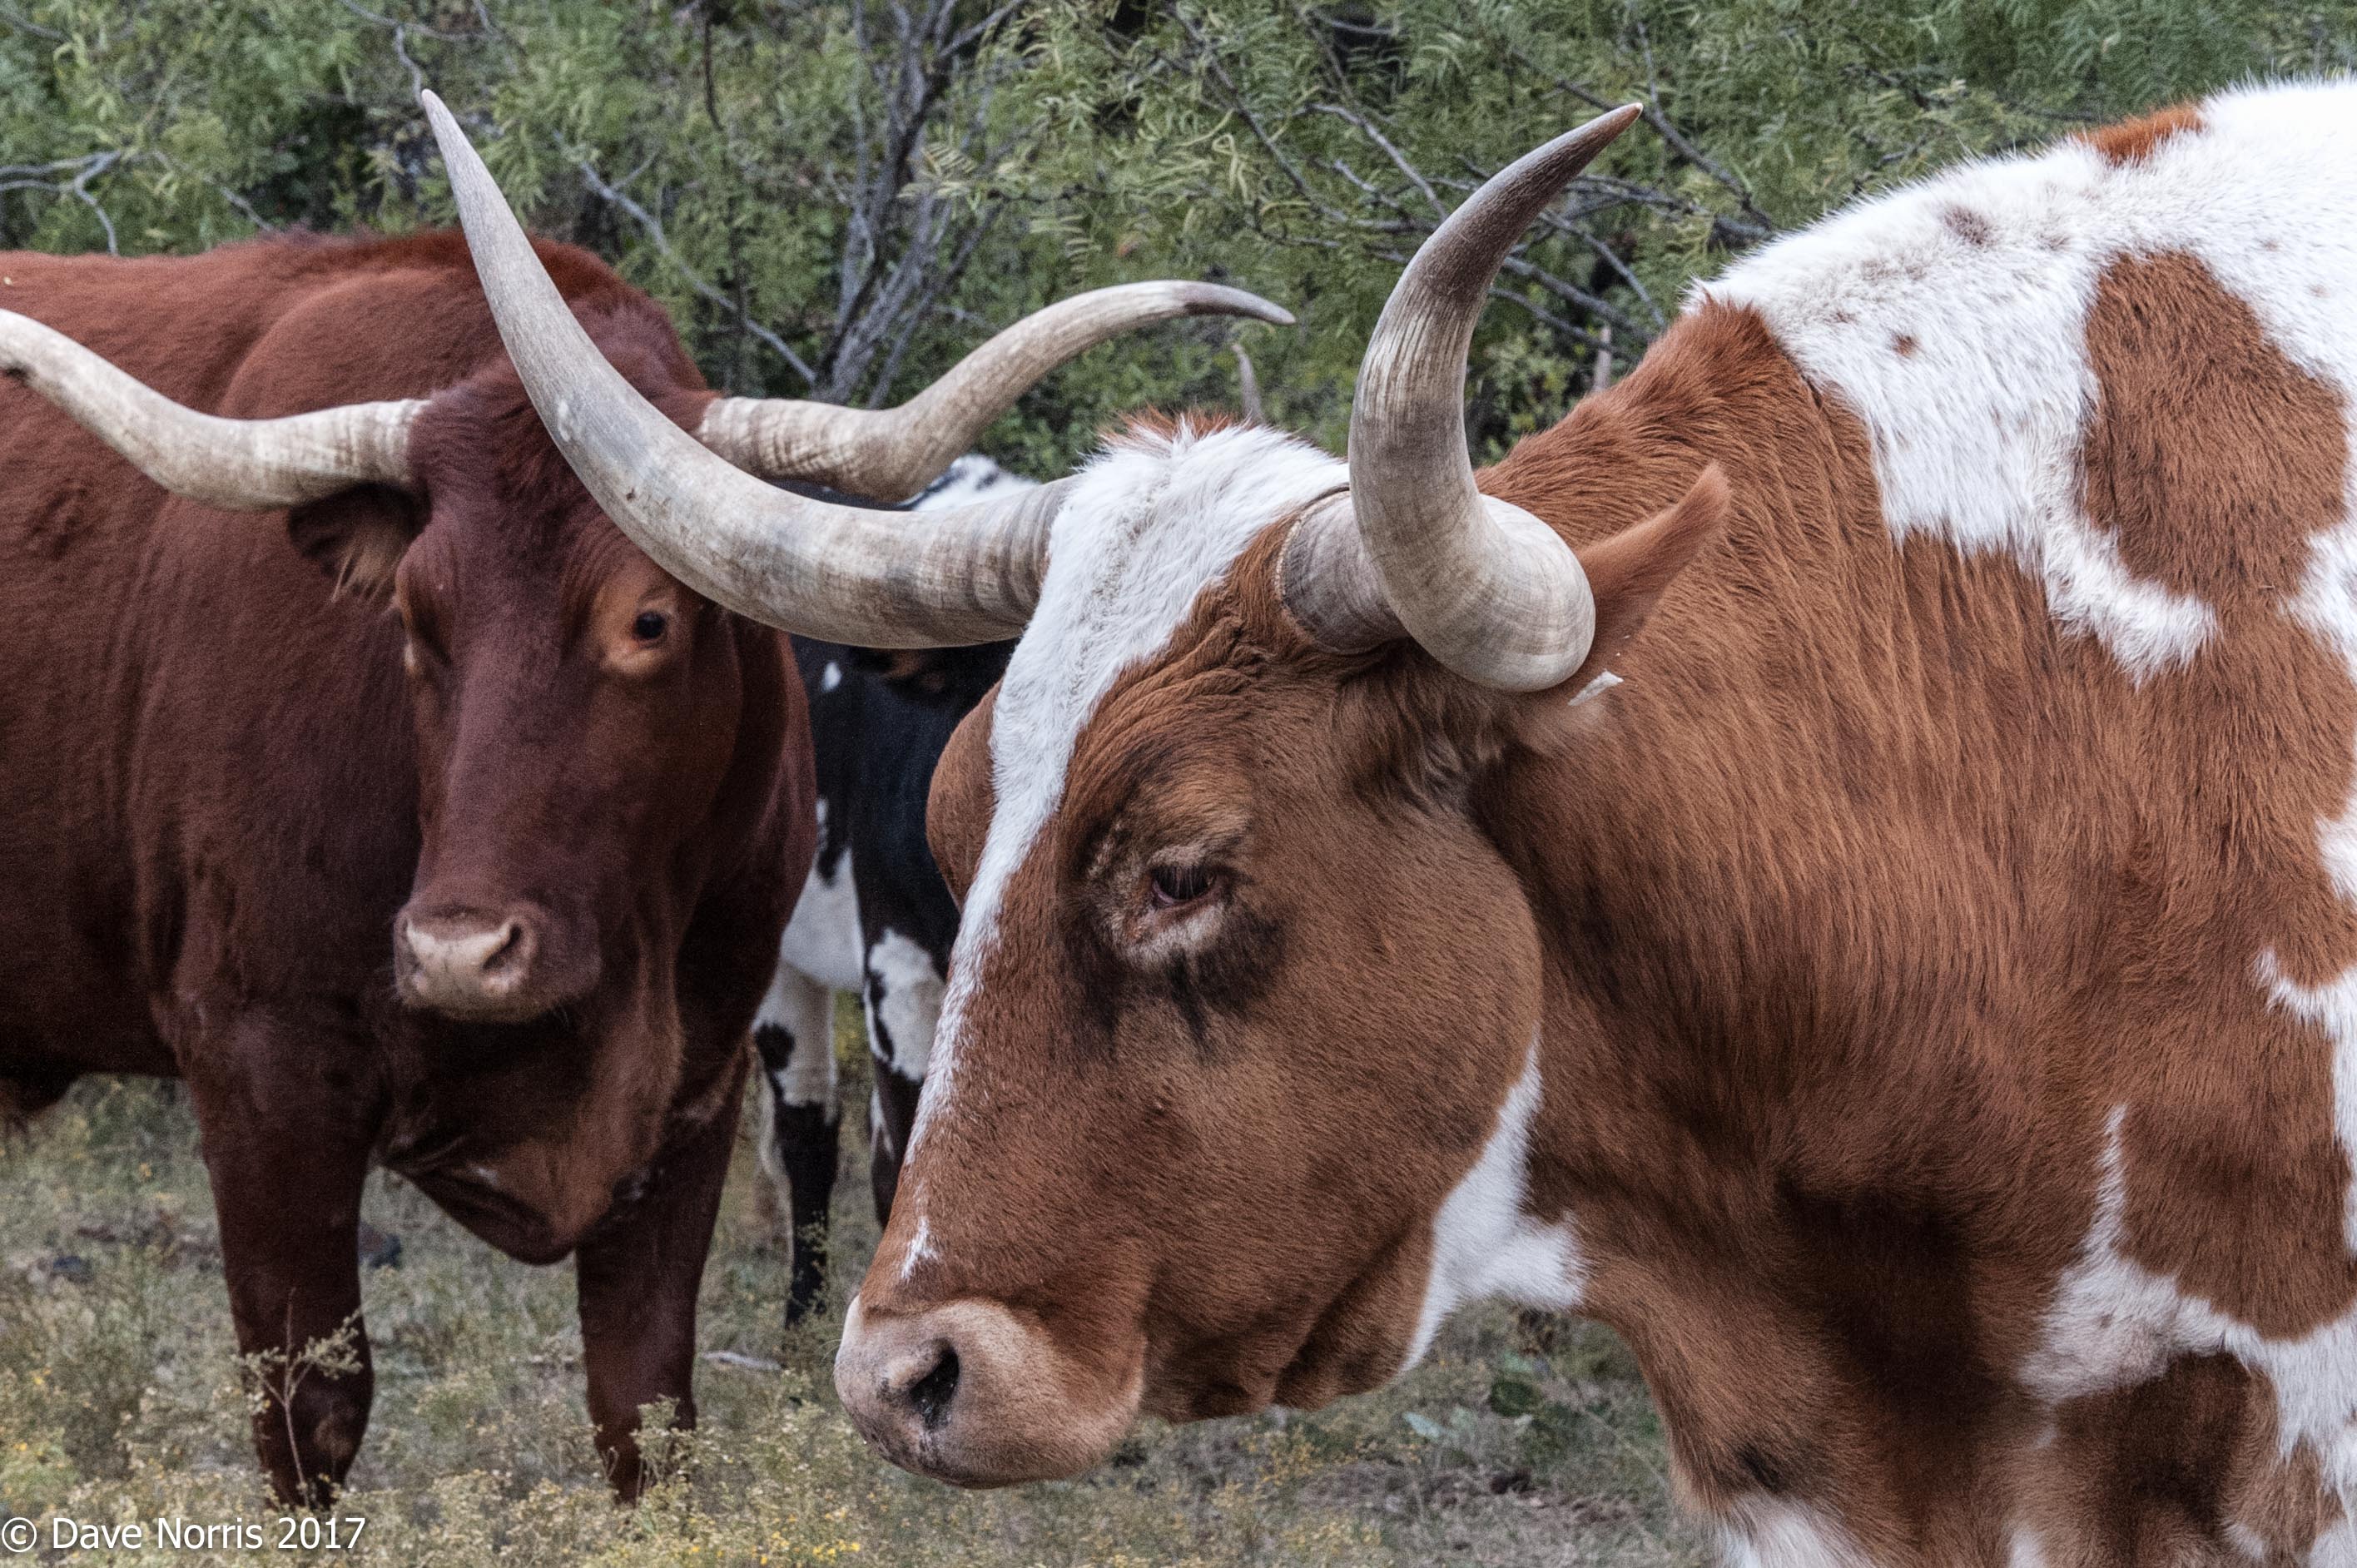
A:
904, 995
971, 479
1975, 433
830, 677
1776, 1532
922, 1249
2337, 1547
2262, 196
1150, 526
1485, 1242
2115, 1323
822, 938
805, 1010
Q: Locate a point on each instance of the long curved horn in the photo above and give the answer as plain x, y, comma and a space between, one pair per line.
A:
879, 579
248, 465
1487, 589
891, 454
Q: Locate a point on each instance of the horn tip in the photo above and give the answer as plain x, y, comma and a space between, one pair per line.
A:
1237, 301
1218, 299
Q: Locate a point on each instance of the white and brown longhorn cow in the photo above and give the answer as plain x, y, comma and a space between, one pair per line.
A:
1915, 1002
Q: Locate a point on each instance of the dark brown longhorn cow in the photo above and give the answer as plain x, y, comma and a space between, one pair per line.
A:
1913, 999
421, 819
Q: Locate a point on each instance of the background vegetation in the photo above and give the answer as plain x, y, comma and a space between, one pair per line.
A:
121, 1402
835, 199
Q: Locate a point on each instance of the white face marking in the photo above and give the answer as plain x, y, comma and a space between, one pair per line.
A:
1485, 1243
904, 995
822, 939
1976, 428
1774, 1533
920, 1250
1148, 528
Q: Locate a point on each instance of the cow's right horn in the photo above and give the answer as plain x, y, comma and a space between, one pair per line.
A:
252, 465
1413, 548
878, 579
890, 453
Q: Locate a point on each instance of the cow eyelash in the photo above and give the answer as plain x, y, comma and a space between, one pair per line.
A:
1174, 887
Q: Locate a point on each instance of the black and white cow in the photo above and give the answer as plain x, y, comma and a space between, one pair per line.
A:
875, 917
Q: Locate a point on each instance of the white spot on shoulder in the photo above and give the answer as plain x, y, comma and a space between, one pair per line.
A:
1989, 271
1485, 1242
1150, 524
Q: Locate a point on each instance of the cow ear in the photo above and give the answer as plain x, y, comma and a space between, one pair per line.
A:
1628, 574
356, 538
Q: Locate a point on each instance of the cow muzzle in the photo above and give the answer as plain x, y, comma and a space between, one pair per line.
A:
480, 968
978, 1395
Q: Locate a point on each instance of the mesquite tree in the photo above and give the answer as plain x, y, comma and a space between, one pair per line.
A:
837, 199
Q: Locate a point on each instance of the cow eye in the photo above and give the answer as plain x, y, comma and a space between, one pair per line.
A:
651, 625
1175, 884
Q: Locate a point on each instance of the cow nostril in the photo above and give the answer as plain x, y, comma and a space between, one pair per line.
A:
510, 951
932, 1394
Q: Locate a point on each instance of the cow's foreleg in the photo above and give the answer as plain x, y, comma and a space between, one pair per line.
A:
637, 1276
287, 1153
794, 1034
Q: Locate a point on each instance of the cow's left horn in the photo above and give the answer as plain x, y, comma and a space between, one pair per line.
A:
875, 579
890, 453
1414, 548
251, 465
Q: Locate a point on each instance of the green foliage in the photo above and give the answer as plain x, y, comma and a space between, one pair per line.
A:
793, 155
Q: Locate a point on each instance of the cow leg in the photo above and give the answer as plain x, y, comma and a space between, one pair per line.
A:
636, 1276
801, 1126
287, 1152
903, 996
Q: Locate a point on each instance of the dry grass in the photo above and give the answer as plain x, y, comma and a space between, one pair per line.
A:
119, 1401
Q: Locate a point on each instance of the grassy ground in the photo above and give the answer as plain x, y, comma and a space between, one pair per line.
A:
119, 1401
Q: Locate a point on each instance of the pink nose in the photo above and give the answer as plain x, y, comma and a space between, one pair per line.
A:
971, 1393
468, 965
